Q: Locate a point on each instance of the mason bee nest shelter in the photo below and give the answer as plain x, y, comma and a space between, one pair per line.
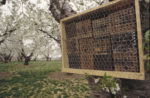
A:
106, 39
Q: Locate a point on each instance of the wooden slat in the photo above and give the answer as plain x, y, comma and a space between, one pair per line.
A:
117, 74
64, 47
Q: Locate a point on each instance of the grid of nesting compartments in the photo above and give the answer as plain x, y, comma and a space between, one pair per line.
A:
73, 53
83, 28
102, 41
124, 38
100, 27
74, 61
70, 30
77, 43
105, 39
122, 20
102, 53
72, 45
125, 53
86, 52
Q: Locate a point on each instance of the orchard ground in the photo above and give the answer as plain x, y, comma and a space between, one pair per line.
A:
40, 79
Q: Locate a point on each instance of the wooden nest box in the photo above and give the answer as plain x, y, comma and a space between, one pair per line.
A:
106, 39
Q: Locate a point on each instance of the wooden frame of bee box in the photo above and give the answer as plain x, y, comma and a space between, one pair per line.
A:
140, 75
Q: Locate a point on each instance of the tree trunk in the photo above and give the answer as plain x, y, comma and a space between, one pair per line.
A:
6, 61
26, 62
129, 88
3, 2
10, 58
27, 58
20, 58
35, 59
47, 58
1, 59
60, 9
137, 89
7, 58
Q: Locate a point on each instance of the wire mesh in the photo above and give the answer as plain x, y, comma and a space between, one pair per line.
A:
104, 39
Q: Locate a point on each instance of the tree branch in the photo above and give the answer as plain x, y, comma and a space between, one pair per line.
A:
45, 32
23, 53
99, 3
3, 2
5, 34
10, 31
1, 41
31, 54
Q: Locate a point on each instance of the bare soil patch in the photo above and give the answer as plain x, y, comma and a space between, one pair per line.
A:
5, 75
63, 76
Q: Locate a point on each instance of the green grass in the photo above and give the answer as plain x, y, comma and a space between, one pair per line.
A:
32, 82
34, 66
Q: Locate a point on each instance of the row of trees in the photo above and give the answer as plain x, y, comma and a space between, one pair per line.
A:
29, 30
26, 22
27, 33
